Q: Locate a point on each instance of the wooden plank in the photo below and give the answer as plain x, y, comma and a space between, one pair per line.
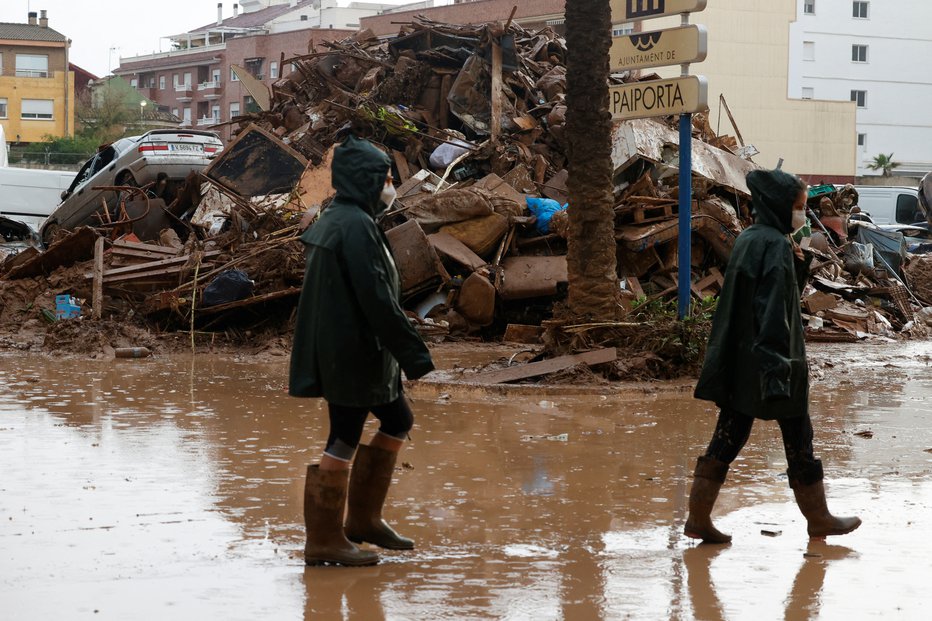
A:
249, 301
97, 295
401, 163
144, 267
635, 286
535, 369
496, 121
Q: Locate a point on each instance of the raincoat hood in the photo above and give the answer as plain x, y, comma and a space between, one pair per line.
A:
773, 193
359, 171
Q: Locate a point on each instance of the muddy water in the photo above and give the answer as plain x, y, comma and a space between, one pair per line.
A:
154, 489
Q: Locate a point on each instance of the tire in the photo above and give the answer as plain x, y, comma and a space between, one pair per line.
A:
49, 232
126, 178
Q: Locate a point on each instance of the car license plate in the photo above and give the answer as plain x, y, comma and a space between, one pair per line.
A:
189, 148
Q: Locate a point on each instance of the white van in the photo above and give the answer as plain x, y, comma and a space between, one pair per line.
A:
30, 195
890, 204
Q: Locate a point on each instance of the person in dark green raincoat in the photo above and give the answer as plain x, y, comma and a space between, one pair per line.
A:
351, 341
755, 365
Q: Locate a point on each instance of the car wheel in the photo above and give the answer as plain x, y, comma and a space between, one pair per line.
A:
50, 233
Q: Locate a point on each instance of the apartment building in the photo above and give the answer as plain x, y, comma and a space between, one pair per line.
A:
195, 80
530, 14
875, 54
36, 87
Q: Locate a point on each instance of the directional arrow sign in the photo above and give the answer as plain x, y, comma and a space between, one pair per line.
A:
636, 10
640, 100
659, 48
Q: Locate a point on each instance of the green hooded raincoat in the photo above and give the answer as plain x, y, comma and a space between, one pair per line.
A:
351, 333
756, 358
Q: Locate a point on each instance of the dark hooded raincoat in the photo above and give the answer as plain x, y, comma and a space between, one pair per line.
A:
351, 333
756, 358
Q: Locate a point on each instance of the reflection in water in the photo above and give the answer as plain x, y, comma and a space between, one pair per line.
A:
176, 485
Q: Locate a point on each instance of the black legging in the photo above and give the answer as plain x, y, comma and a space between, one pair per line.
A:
346, 425
733, 430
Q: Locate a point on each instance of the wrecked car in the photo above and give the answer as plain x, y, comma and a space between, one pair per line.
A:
166, 156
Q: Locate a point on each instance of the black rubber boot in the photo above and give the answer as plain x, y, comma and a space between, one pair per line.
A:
324, 503
368, 488
707, 481
810, 497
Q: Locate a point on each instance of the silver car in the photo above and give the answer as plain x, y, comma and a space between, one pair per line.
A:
136, 161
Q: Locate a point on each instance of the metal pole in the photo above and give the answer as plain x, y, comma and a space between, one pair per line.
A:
686, 203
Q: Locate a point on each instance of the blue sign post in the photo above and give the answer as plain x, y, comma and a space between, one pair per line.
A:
684, 259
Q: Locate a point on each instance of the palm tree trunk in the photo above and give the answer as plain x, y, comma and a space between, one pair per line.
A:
593, 280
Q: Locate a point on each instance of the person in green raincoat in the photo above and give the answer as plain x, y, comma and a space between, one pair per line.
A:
755, 365
351, 341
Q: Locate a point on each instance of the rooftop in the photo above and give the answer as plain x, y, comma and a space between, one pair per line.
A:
256, 19
28, 32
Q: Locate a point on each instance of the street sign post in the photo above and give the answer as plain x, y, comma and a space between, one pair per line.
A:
636, 10
640, 100
659, 48
682, 96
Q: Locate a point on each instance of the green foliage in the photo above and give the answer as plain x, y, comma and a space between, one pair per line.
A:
59, 150
884, 163
681, 343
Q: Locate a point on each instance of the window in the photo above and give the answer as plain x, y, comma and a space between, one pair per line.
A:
175, 81
808, 50
620, 30
32, 66
860, 97
234, 110
134, 82
187, 79
186, 117
175, 112
907, 209
273, 69
254, 67
809, 7
233, 76
215, 76
3, 107
859, 10
161, 82
862, 140
40, 109
808, 92
215, 113
859, 53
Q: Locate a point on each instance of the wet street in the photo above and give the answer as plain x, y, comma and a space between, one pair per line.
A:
172, 489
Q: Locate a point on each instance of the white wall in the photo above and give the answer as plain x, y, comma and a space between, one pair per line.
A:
898, 115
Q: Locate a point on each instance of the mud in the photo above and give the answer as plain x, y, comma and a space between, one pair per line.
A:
171, 487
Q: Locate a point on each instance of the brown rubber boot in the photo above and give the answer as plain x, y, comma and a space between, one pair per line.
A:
811, 501
324, 502
368, 487
707, 481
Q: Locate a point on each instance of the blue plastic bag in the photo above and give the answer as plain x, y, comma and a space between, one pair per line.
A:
544, 208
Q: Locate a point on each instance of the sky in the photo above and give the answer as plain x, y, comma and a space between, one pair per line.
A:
102, 31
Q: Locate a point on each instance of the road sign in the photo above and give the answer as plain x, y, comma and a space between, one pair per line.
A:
659, 48
640, 100
636, 10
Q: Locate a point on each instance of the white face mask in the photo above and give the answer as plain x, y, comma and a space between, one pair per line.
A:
388, 195
799, 220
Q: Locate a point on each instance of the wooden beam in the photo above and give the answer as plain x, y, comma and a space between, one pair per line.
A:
534, 369
495, 126
145, 267
97, 296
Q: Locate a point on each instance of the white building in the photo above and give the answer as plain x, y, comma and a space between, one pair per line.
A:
876, 53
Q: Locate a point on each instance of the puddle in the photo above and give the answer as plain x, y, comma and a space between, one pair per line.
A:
162, 488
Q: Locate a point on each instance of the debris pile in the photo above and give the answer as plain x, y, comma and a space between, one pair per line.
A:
473, 118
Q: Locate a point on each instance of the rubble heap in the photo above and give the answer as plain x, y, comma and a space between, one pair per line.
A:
479, 226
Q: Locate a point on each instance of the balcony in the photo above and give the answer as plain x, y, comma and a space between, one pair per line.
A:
207, 121
183, 92
210, 90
